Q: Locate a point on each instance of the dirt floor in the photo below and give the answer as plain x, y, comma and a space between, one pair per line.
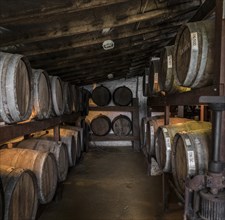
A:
111, 184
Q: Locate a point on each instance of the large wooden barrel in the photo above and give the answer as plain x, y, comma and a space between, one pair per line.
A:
122, 96
194, 54
42, 95
101, 125
152, 125
76, 98
155, 85
164, 140
121, 125
190, 155
101, 96
67, 98
167, 68
145, 82
43, 165
16, 88
2, 201
57, 95
66, 132
58, 149
20, 187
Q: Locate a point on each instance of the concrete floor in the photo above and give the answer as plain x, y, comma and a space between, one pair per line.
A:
111, 184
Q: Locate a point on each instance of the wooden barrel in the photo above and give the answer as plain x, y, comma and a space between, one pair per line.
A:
164, 139
167, 68
121, 125
20, 187
67, 98
122, 96
42, 95
145, 83
155, 86
152, 125
101, 125
16, 88
57, 95
190, 155
43, 165
2, 201
76, 98
101, 96
66, 132
58, 149
194, 54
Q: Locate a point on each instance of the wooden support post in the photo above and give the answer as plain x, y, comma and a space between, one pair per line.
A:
167, 115
135, 119
57, 133
219, 66
202, 113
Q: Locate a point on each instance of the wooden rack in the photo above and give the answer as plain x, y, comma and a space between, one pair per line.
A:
135, 137
9, 132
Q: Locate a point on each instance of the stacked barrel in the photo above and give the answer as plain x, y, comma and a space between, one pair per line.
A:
183, 147
121, 125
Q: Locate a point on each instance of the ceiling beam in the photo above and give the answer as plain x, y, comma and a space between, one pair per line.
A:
49, 14
75, 29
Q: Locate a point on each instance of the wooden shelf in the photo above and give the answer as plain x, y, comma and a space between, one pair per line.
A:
114, 108
112, 137
9, 132
186, 98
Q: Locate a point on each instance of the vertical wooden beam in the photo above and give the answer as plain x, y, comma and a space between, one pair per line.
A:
57, 133
202, 112
220, 61
135, 119
167, 115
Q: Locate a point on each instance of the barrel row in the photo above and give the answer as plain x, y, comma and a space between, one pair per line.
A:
31, 93
186, 64
122, 96
121, 125
181, 148
29, 171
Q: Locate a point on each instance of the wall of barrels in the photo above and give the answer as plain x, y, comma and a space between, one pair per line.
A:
178, 147
111, 114
33, 166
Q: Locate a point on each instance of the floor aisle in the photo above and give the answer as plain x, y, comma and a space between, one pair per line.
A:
110, 184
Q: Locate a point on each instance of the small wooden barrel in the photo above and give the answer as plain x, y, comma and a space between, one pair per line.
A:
190, 155
152, 125
2, 201
194, 54
42, 95
145, 83
101, 125
43, 165
57, 95
121, 125
101, 96
76, 98
167, 68
16, 88
58, 149
67, 98
66, 132
20, 187
122, 96
164, 139
155, 86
